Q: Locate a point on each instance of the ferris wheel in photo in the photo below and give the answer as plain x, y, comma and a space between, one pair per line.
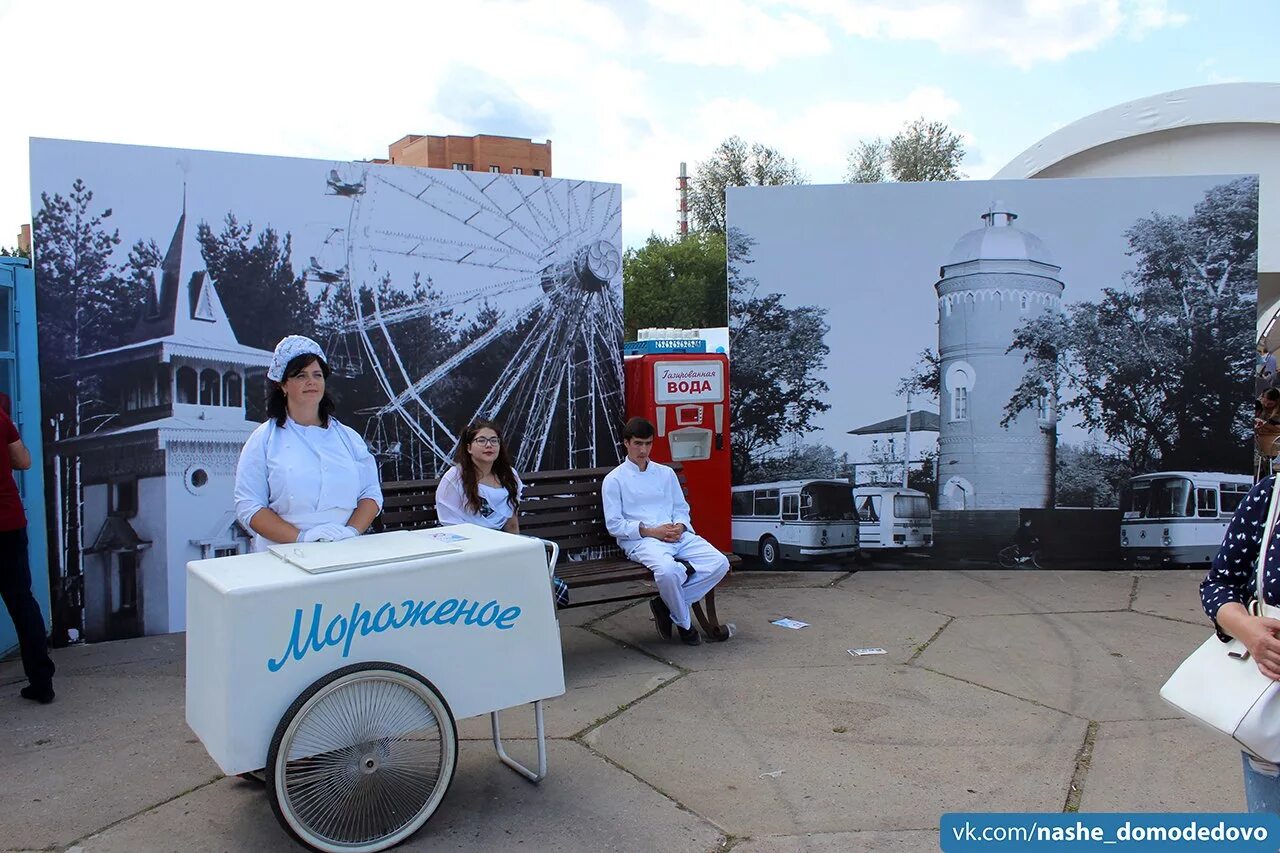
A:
542, 255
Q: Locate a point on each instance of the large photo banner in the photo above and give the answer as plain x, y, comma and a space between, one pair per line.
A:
165, 277
1006, 348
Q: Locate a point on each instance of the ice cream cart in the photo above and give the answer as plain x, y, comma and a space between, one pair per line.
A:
340, 668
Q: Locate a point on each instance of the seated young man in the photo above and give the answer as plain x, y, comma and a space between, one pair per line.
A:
645, 510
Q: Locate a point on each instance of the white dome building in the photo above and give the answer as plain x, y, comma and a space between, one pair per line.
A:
996, 277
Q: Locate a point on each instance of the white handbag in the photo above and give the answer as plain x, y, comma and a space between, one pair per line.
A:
1220, 686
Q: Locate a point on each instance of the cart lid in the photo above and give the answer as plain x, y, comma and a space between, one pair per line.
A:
394, 547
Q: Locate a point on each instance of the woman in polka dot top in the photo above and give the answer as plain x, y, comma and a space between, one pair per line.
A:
1225, 593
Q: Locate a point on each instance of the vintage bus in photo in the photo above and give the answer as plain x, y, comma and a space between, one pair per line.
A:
1178, 518
890, 517
794, 520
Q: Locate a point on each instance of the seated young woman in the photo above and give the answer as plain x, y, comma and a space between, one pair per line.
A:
483, 488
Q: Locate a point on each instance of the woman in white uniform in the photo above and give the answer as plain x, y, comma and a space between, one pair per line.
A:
302, 476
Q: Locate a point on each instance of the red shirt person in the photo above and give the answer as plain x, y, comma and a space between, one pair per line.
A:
15, 570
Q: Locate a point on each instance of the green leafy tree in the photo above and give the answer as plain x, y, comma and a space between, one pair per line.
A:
1162, 362
922, 151
676, 283
778, 355
263, 298
867, 162
735, 163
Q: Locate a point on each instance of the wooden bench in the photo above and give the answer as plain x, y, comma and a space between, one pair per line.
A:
566, 508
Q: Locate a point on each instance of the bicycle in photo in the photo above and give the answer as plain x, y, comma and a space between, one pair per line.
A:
1015, 557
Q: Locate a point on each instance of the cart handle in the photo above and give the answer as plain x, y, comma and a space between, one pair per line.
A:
553, 555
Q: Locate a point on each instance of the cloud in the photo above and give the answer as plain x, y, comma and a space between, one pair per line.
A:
729, 33
1021, 32
477, 101
820, 136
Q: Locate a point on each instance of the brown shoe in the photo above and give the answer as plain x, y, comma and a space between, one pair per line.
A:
661, 617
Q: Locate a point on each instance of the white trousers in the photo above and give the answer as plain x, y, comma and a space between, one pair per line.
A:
678, 589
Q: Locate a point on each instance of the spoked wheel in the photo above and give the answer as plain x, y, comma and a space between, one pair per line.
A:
361, 759
1008, 557
1035, 559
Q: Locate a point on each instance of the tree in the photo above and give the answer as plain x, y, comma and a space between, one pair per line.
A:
1162, 363
263, 298
84, 304
925, 377
922, 151
734, 163
867, 162
798, 462
672, 282
778, 354
1089, 476
14, 252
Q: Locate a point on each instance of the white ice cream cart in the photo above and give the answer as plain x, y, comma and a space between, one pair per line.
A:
340, 668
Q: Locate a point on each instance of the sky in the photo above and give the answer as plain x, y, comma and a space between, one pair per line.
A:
625, 89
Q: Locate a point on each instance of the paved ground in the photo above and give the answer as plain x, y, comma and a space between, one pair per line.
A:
1001, 691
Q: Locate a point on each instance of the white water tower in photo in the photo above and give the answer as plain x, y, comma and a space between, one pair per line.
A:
996, 278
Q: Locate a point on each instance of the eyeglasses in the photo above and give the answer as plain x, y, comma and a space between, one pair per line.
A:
487, 442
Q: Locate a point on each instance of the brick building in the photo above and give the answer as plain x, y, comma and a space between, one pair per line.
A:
482, 153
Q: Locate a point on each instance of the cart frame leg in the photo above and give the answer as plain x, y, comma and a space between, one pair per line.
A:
542, 746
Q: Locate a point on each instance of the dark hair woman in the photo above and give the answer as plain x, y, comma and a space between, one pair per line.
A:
481, 488
302, 475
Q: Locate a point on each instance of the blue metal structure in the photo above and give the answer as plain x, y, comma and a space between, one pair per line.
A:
20, 379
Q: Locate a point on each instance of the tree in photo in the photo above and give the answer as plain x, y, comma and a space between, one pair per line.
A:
84, 305
922, 151
1089, 476
924, 380
675, 283
735, 163
254, 275
1161, 364
779, 354
797, 462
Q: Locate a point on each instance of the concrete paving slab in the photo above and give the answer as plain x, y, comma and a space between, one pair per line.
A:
600, 676
1174, 594
1162, 766
1099, 666
838, 621
578, 616
981, 593
110, 746
788, 751
160, 655
904, 841
747, 579
585, 804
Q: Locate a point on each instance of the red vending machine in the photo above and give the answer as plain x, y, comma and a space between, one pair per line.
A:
686, 396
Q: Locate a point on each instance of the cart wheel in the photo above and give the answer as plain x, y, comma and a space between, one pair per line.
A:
362, 758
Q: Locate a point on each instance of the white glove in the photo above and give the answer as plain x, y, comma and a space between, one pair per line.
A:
324, 533
345, 532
